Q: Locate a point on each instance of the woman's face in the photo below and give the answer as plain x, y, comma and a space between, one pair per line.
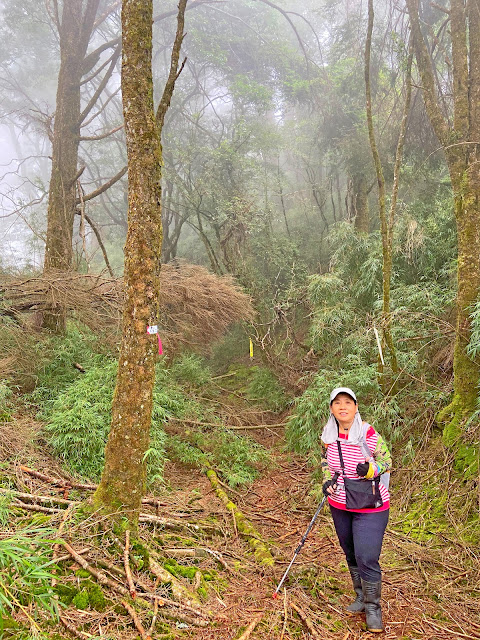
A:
344, 409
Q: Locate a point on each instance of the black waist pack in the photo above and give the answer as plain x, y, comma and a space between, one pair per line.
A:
360, 494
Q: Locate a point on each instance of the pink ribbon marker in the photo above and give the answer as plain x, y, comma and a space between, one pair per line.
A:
151, 330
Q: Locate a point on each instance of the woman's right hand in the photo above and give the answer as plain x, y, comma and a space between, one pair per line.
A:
329, 487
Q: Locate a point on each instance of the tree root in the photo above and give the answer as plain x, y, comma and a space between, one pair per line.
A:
244, 527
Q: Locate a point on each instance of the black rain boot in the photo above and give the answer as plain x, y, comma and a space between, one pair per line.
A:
357, 605
371, 596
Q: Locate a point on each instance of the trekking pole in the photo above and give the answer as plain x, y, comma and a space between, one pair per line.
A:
302, 541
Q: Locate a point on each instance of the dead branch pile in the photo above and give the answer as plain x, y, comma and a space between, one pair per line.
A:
196, 306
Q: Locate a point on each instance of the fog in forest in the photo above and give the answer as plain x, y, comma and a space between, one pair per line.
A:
266, 130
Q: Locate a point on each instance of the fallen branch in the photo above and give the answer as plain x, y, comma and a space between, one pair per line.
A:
166, 602
154, 618
232, 427
68, 484
126, 561
136, 621
56, 546
244, 527
180, 593
200, 552
305, 619
285, 614
59, 482
36, 498
34, 507
158, 600
73, 630
98, 575
176, 526
251, 627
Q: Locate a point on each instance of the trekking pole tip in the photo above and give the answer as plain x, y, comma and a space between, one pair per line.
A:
275, 595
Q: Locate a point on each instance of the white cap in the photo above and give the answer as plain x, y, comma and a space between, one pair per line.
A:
339, 390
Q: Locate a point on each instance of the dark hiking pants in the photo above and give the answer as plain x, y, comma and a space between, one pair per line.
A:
361, 536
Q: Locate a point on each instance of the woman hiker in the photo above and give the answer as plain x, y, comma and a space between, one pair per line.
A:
354, 463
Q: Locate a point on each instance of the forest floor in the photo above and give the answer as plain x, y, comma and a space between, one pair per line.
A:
431, 589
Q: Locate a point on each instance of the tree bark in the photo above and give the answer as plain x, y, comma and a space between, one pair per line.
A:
359, 202
75, 30
386, 232
124, 476
462, 151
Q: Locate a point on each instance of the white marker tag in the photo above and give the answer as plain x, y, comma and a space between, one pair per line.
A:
153, 329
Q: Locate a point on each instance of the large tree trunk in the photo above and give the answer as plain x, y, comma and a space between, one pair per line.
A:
123, 480
466, 190
359, 202
74, 30
461, 145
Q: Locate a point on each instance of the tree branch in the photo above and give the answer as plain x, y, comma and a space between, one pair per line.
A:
104, 187
101, 86
424, 64
102, 135
174, 72
95, 230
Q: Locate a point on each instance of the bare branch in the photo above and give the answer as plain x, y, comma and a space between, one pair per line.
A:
174, 72
105, 186
101, 86
103, 135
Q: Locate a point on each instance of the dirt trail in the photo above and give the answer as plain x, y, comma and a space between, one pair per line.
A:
431, 591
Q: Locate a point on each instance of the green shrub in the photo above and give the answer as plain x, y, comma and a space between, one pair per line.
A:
78, 420
264, 388
237, 457
5, 402
190, 369
56, 371
233, 346
25, 578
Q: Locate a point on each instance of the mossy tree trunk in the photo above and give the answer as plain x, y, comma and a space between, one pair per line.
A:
359, 202
462, 150
124, 476
386, 223
75, 30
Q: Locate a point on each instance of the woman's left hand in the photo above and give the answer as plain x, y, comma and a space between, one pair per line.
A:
365, 470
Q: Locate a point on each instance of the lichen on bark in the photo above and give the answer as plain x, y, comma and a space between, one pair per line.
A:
124, 476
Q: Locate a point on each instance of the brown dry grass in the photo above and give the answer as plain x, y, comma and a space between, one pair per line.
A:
196, 306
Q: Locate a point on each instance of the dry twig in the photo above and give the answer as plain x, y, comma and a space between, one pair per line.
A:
251, 627
126, 560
